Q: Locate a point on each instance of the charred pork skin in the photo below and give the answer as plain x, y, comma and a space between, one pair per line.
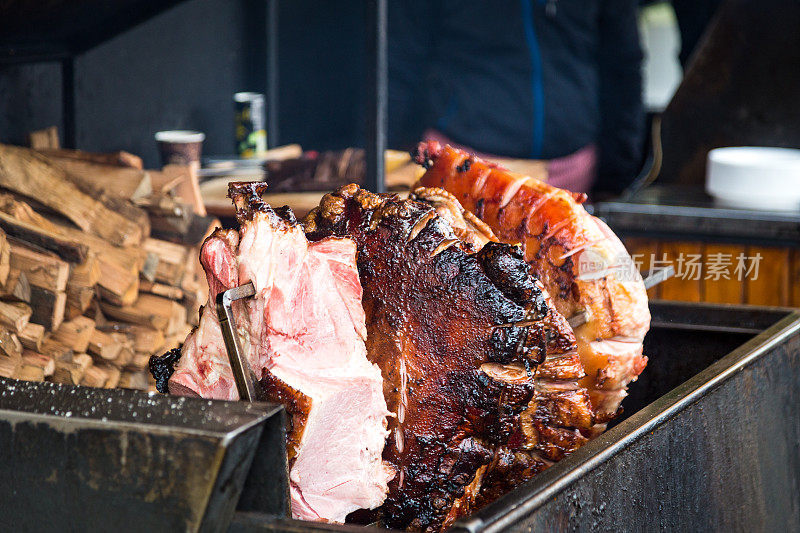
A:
583, 265
304, 331
474, 360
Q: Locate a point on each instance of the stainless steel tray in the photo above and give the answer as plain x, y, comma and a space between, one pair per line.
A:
709, 441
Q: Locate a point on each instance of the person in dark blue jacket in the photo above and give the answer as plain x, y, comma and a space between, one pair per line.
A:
536, 79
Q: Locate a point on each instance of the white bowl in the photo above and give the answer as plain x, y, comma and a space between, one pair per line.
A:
755, 177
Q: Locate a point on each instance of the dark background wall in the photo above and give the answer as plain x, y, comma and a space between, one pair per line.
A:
180, 70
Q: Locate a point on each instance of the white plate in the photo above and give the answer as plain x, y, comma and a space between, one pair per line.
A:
753, 177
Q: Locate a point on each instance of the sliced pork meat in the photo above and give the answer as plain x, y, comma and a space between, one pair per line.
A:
476, 364
304, 333
583, 265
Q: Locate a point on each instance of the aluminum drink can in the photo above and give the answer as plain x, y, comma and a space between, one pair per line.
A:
250, 116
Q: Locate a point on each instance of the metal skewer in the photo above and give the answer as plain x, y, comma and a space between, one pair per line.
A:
245, 381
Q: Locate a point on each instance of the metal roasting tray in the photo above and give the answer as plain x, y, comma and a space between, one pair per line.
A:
83, 459
709, 441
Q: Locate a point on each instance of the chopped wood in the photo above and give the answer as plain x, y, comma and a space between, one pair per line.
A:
14, 315
114, 375
125, 357
32, 336
29, 372
84, 360
30, 174
48, 307
133, 380
119, 159
46, 139
94, 376
45, 362
5, 258
104, 345
149, 310
172, 260
78, 301
56, 350
76, 333
10, 346
146, 340
161, 289
140, 361
99, 178
43, 269
86, 274
9, 366
118, 267
67, 249
67, 372
16, 287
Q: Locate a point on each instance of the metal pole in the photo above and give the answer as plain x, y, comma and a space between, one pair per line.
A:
68, 101
377, 88
272, 73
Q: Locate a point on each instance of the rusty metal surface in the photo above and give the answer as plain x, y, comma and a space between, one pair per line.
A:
741, 88
82, 459
709, 441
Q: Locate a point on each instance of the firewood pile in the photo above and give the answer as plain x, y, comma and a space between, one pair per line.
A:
98, 265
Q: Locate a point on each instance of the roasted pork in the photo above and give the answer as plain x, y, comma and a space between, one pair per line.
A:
304, 331
581, 262
476, 365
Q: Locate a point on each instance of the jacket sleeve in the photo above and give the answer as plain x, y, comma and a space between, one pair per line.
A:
621, 110
411, 40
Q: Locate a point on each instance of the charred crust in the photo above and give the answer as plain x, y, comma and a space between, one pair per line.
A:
479, 205
162, 367
286, 213
464, 166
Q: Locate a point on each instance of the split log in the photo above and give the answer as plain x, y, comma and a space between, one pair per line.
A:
30, 174
104, 345
94, 376
48, 307
76, 333
86, 274
14, 315
114, 375
57, 350
83, 360
45, 362
114, 181
68, 373
16, 287
133, 380
10, 346
32, 336
160, 289
117, 159
67, 249
5, 258
149, 310
43, 270
171, 260
78, 301
28, 372
140, 361
147, 340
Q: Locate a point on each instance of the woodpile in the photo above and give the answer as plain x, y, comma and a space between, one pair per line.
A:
99, 264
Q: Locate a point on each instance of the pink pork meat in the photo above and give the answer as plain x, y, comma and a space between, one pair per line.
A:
304, 335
